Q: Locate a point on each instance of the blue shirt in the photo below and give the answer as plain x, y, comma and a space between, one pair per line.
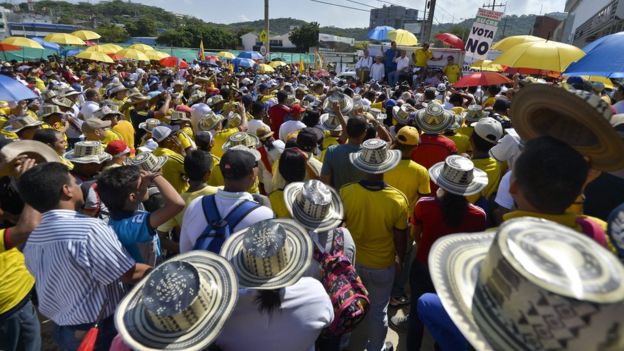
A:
337, 162
77, 262
389, 63
136, 234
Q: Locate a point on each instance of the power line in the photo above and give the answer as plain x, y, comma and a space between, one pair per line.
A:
361, 3
343, 6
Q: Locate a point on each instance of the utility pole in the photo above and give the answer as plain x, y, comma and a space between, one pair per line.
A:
494, 5
430, 5
267, 41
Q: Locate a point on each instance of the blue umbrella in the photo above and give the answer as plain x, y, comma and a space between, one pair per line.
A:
254, 55
12, 90
243, 62
71, 52
603, 58
47, 44
379, 33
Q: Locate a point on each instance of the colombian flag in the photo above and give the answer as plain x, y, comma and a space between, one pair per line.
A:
202, 56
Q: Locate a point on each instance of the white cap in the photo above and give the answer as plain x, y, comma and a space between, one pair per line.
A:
161, 133
508, 148
489, 129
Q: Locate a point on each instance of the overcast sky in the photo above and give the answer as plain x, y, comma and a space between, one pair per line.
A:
228, 11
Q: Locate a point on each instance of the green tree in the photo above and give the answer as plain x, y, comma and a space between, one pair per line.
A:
145, 27
112, 33
305, 36
66, 19
190, 35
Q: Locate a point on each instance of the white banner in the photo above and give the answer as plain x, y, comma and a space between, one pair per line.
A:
482, 34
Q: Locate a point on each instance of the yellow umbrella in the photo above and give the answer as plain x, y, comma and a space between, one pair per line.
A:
512, 41
22, 42
133, 54
64, 39
95, 56
226, 55
545, 56
96, 48
402, 37
486, 65
276, 64
264, 68
86, 35
141, 47
156, 55
111, 48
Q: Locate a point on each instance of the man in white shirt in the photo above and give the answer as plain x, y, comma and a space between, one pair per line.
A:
239, 169
294, 124
91, 104
363, 66
378, 70
402, 66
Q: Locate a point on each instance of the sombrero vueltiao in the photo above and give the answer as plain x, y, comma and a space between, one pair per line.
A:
270, 254
532, 285
313, 204
181, 305
578, 118
458, 175
375, 157
36, 150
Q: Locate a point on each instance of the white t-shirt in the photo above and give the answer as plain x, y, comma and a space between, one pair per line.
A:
89, 108
254, 124
305, 310
378, 72
402, 63
364, 62
503, 197
194, 222
619, 106
289, 127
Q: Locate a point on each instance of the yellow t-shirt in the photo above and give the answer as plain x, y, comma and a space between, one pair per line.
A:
185, 140
462, 142
67, 163
371, 216
125, 130
216, 177
328, 141
220, 138
411, 179
187, 197
278, 204
173, 170
422, 56
452, 72
17, 282
494, 172
110, 136
489, 102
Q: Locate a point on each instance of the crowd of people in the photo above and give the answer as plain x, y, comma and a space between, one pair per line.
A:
212, 209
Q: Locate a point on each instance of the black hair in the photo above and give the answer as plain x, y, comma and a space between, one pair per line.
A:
256, 108
115, 184
281, 96
356, 127
456, 99
292, 165
311, 118
47, 136
480, 144
41, 186
371, 132
454, 209
268, 300
348, 92
430, 94
197, 164
90, 94
550, 174
203, 140
494, 89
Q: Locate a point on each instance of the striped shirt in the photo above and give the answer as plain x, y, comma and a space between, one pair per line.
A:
77, 262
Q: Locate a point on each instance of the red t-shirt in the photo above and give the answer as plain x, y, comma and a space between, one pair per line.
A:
431, 150
277, 113
428, 213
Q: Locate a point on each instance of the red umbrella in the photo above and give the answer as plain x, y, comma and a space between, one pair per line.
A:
9, 47
482, 79
451, 39
115, 57
173, 61
212, 58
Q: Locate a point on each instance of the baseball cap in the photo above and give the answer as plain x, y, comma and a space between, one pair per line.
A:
263, 86
408, 136
508, 147
237, 163
117, 148
296, 108
161, 133
489, 129
309, 139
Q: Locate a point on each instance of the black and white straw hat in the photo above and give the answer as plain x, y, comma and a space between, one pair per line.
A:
271, 254
458, 175
147, 161
181, 305
315, 205
434, 119
532, 285
375, 157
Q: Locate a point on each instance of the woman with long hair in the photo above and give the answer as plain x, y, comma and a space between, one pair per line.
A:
447, 212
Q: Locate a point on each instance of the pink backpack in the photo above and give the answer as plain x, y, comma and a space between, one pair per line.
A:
343, 285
